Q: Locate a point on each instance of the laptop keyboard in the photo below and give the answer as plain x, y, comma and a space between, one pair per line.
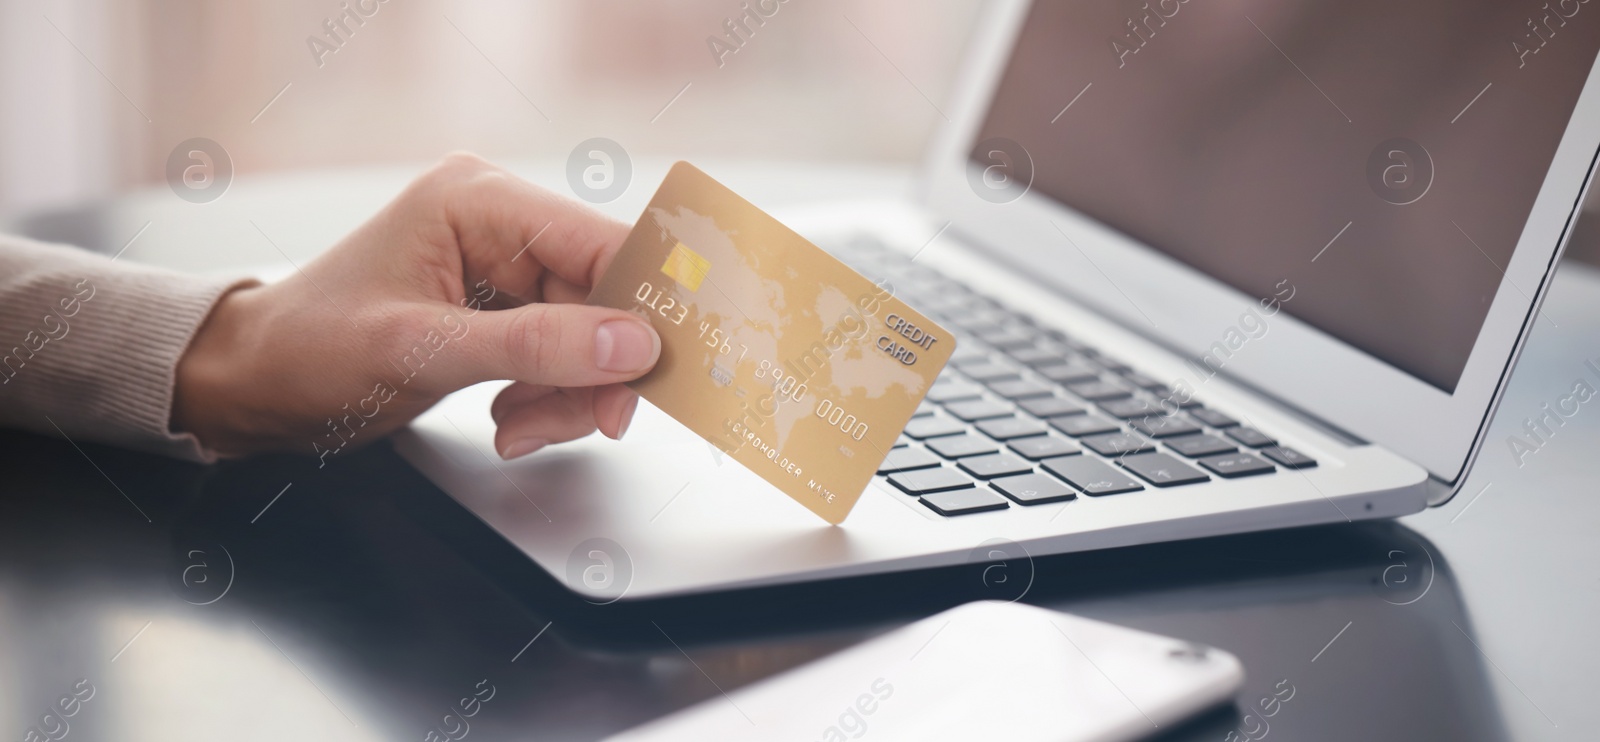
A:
1025, 415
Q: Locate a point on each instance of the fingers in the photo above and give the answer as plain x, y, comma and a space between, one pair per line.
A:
553, 345
515, 243
558, 291
614, 406
515, 234
531, 417
560, 416
516, 396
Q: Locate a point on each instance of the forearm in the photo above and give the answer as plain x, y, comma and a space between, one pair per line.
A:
89, 347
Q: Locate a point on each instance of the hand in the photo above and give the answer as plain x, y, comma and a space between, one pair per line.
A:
445, 287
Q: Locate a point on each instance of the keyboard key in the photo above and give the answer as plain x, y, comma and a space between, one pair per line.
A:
918, 296
1035, 355
976, 355
906, 459
962, 502
1173, 400
923, 428
1043, 447
1195, 446
1212, 417
995, 465
1090, 476
1164, 426
979, 409
1008, 338
1233, 465
1020, 389
925, 481
1062, 338
991, 371
1111, 364
1251, 437
945, 294
1162, 470
1070, 373
984, 314
924, 409
968, 353
1129, 408
975, 322
1103, 389
1006, 428
956, 446
1118, 444
1144, 382
1082, 425
1033, 489
1050, 406
950, 390
1289, 457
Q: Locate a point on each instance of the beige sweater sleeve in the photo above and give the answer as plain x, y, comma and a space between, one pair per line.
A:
89, 347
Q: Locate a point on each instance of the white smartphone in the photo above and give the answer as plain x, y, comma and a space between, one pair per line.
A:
983, 670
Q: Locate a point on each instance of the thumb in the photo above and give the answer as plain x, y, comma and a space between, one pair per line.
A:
560, 345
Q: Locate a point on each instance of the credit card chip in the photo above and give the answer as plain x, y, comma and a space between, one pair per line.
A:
686, 266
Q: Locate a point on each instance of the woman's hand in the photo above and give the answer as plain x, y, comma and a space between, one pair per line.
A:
470, 275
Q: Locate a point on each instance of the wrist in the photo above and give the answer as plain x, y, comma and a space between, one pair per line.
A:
207, 398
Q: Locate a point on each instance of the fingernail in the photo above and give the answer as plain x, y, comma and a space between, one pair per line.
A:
523, 447
627, 417
625, 346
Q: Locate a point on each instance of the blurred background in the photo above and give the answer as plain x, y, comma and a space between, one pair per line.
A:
98, 92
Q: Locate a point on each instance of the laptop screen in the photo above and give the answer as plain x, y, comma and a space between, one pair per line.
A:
1382, 157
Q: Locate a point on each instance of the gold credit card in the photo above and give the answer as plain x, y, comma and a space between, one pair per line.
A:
774, 351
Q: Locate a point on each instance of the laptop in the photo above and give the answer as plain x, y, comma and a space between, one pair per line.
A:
1213, 268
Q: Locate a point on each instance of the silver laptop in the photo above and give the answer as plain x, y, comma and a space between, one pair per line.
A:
1214, 268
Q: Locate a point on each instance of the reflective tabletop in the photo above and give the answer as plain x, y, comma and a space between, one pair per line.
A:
148, 599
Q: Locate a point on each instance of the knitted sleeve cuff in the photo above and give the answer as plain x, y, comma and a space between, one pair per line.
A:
89, 347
